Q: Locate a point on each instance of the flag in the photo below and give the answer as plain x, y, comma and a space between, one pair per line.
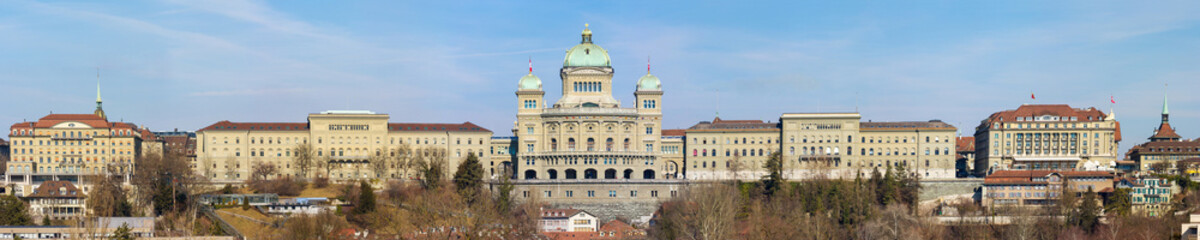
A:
1112, 99
531, 64
1031, 96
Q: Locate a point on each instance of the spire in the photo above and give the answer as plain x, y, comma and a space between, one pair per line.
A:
99, 104
1165, 113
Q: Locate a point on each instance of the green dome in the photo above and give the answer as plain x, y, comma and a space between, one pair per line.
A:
530, 82
649, 82
586, 55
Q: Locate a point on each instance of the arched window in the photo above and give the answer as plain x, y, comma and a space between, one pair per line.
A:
591, 144
608, 145
626, 144
571, 144
553, 144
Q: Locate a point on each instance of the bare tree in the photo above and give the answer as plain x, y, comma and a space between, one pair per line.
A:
323, 163
304, 159
379, 165
262, 171
705, 211
231, 168
403, 160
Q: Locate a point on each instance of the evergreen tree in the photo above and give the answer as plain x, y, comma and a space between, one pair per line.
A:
1088, 215
366, 199
122, 233
504, 199
773, 181
1119, 202
468, 179
15, 212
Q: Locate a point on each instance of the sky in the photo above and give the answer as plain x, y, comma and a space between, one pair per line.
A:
187, 64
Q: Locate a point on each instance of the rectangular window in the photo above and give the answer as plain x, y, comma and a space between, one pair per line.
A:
591, 193
548, 194
612, 193
570, 193
633, 193
649, 130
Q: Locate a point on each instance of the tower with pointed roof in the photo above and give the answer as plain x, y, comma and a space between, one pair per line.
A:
99, 103
1165, 132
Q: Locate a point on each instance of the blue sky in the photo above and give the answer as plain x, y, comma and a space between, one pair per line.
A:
187, 64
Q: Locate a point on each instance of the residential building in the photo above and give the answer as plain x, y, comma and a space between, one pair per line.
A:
1191, 228
1046, 136
1165, 148
3, 156
178, 142
57, 200
1041, 187
567, 220
965, 147
612, 230
343, 143
102, 228
1150, 195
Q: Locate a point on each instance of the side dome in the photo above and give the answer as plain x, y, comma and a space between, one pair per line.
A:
530, 82
586, 54
649, 83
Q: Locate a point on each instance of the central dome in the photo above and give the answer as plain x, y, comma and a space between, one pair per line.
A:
586, 54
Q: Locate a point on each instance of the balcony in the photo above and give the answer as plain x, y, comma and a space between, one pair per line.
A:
590, 111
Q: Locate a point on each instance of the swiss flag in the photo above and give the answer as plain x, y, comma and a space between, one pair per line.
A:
1031, 96
1112, 99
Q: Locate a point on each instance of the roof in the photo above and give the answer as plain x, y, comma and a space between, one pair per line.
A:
1037, 110
2, 142
673, 132
964, 144
931, 124
57, 189
1165, 131
89, 119
718, 124
258, 126
454, 127
561, 212
616, 225
1026, 176
280, 126
132, 222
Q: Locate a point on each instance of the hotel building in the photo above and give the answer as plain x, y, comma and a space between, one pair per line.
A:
1046, 137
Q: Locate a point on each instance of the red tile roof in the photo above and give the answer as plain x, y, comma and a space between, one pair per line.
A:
1035, 110
934, 125
617, 226
965, 144
673, 132
57, 189
717, 124
1165, 131
89, 119
453, 127
257, 126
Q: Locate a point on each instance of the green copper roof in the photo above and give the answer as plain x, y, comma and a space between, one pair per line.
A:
649, 82
586, 55
530, 82
1164, 104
